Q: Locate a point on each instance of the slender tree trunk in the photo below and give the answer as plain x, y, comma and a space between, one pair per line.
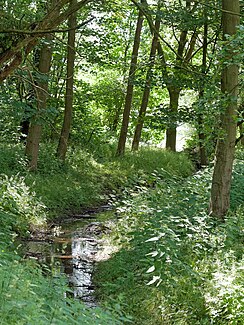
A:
174, 91
241, 134
116, 118
201, 136
225, 149
201, 133
147, 88
63, 141
35, 128
130, 87
174, 95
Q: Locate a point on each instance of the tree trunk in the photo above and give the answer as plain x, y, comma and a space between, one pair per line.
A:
225, 149
174, 91
130, 86
174, 95
116, 118
63, 141
201, 136
34, 134
201, 133
241, 135
147, 88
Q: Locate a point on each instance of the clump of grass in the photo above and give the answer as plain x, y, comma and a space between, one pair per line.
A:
24, 210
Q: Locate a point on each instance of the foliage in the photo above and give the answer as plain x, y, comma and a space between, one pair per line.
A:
192, 265
176, 264
89, 176
21, 205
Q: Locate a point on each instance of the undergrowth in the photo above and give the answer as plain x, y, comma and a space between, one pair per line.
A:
85, 179
177, 265
28, 200
26, 295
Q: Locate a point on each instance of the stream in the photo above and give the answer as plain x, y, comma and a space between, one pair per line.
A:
72, 249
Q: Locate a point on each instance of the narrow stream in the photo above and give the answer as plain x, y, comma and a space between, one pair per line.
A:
73, 248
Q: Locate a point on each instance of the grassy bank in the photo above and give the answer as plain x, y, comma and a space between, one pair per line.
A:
85, 179
28, 200
176, 265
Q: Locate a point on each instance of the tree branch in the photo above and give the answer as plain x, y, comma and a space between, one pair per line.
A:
11, 57
48, 31
239, 138
152, 27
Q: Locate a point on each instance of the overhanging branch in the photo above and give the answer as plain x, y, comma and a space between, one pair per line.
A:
48, 31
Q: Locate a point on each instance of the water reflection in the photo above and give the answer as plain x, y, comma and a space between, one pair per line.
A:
83, 258
71, 252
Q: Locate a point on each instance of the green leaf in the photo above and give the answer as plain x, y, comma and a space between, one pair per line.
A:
154, 279
151, 269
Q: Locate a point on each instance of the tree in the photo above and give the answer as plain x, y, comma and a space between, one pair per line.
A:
130, 86
41, 89
225, 149
201, 133
183, 56
176, 58
147, 87
63, 141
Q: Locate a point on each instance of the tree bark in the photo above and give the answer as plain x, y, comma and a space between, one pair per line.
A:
130, 87
147, 88
34, 134
63, 140
116, 118
201, 136
174, 95
225, 149
242, 136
